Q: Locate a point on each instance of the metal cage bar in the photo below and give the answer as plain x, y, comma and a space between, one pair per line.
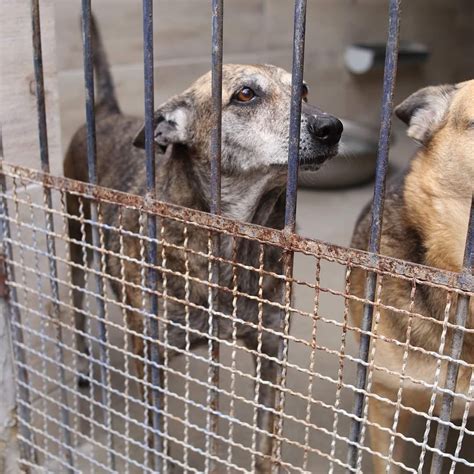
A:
217, 15
96, 240
152, 250
44, 155
216, 78
391, 60
299, 33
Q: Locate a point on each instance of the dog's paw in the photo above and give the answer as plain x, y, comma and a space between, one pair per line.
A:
84, 368
83, 381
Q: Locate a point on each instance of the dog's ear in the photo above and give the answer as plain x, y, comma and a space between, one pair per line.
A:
425, 110
171, 123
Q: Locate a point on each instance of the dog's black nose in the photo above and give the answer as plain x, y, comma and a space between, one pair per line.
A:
325, 128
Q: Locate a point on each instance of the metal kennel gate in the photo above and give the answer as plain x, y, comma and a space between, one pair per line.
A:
66, 429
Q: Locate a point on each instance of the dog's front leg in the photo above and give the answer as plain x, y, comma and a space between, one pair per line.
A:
81, 258
150, 394
382, 414
265, 417
266, 375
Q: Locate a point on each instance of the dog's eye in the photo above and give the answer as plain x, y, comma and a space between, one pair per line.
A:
244, 95
304, 92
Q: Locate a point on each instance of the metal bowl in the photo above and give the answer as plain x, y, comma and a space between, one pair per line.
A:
355, 163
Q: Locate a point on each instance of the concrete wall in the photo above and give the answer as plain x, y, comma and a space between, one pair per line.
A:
261, 31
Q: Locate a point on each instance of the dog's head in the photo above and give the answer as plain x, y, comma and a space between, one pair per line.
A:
255, 121
441, 118
439, 187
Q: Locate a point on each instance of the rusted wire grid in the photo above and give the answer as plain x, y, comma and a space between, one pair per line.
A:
392, 341
102, 251
28, 449
435, 276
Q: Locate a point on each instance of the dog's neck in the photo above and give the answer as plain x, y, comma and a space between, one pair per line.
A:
250, 197
247, 197
438, 194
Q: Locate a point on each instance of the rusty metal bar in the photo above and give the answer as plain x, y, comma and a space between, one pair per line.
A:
462, 312
390, 71
50, 242
152, 251
14, 320
277, 238
299, 33
216, 132
215, 208
93, 180
295, 114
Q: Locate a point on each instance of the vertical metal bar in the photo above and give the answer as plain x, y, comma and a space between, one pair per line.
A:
216, 133
89, 89
92, 177
50, 242
462, 311
13, 317
391, 60
215, 207
291, 195
152, 251
295, 114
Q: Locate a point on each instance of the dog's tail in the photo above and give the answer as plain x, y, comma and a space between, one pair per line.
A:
105, 90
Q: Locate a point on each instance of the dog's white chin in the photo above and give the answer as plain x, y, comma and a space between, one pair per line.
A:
310, 167
310, 164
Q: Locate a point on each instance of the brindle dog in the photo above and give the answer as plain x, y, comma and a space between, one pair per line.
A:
255, 134
425, 221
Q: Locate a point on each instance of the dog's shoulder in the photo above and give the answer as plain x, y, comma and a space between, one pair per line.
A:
399, 238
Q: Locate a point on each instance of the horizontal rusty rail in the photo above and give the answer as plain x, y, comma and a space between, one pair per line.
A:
458, 282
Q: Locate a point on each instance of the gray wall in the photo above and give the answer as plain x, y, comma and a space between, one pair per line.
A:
261, 31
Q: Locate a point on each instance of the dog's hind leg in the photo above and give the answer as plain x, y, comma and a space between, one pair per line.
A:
80, 257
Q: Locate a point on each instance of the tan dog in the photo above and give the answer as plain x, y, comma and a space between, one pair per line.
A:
425, 221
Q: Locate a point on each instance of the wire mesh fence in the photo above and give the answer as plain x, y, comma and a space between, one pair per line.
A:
106, 423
